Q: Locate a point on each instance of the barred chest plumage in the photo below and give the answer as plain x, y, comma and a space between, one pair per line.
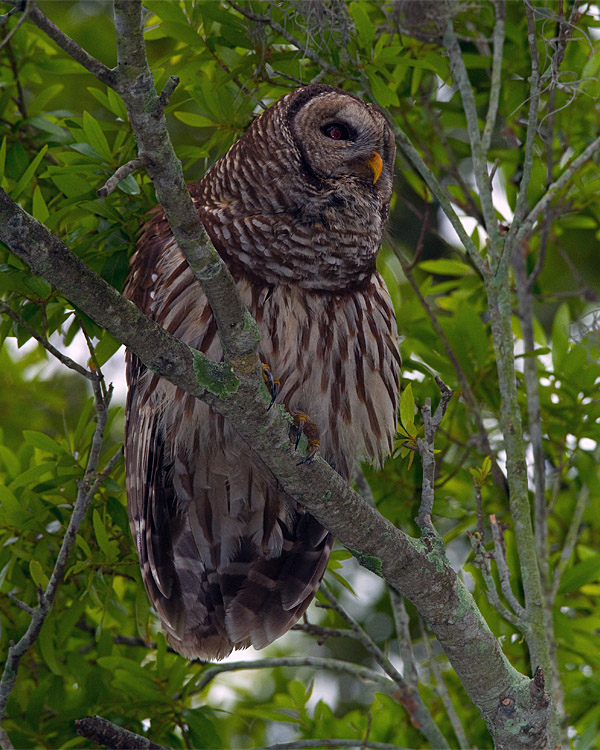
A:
335, 355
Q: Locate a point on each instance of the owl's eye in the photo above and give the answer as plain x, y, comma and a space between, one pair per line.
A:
337, 131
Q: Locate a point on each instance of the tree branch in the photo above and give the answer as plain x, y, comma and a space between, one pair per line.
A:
122, 172
100, 731
496, 77
62, 358
461, 78
98, 69
570, 540
530, 371
532, 126
134, 82
426, 449
527, 226
316, 662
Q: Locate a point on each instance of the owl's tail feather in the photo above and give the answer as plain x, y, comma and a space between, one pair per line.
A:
253, 600
277, 592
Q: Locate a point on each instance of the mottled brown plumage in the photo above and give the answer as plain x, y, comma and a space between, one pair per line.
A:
296, 209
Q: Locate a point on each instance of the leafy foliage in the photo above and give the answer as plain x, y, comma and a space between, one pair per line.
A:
63, 134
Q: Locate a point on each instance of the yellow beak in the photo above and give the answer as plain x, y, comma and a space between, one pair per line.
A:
376, 164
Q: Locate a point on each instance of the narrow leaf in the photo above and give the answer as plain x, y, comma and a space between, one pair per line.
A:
96, 137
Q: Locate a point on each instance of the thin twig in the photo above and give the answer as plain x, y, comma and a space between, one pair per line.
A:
482, 561
20, 604
426, 449
320, 632
465, 386
527, 225
406, 146
570, 540
532, 125
74, 50
496, 77
479, 510
168, 89
25, 12
530, 371
461, 78
316, 662
122, 172
454, 170
278, 28
402, 622
365, 639
67, 361
503, 571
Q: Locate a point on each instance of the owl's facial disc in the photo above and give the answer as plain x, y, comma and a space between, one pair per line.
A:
341, 137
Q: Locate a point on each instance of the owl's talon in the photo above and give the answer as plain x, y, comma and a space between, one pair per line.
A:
311, 452
305, 426
273, 386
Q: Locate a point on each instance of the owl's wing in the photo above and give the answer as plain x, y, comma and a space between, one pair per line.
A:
227, 558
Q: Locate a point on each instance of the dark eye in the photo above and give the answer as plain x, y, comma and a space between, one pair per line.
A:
337, 131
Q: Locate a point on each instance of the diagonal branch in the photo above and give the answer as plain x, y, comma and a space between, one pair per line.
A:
316, 662
70, 46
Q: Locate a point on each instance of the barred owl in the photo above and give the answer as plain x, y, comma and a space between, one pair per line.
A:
296, 209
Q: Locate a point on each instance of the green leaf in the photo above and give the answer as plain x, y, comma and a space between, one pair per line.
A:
560, 336
39, 209
96, 137
72, 185
407, 410
10, 507
584, 572
363, 24
108, 548
47, 641
194, 120
446, 267
37, 573
28, 174
129, 185
142, 613
33, 475
106, 348
39, 286
10, 461
43, 442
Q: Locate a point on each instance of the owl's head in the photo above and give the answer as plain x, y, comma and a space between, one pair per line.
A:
302, 197
340, 136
